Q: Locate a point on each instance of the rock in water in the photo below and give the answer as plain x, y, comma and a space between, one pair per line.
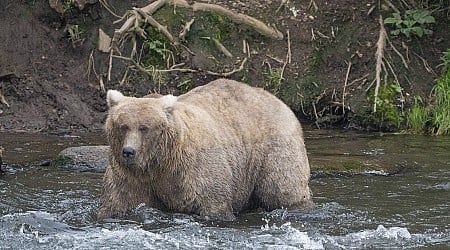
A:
83, 159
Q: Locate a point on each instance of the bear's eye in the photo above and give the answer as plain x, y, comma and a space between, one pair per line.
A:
123, 127
143, 128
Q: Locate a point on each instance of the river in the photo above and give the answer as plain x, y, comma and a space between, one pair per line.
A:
42, 207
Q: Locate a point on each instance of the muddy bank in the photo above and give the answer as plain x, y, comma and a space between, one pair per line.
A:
52, 73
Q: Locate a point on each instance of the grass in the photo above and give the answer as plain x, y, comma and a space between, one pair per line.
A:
274, 77
445, 65
436, 120
441, 113
418, 118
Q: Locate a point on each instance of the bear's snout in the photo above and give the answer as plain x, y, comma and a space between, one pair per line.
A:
128, 153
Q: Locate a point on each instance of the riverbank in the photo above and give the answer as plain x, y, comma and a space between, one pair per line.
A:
324, 67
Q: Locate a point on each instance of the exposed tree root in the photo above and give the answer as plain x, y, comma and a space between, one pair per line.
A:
3, 100
381, 63
381, 44
241, 67
186, 29
345, 86
139, 17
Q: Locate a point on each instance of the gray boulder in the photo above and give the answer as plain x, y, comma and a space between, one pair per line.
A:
83, 159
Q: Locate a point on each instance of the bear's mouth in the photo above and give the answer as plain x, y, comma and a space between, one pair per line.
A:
129, 163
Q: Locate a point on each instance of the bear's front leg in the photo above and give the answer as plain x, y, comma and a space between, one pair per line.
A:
120, 197
213, 209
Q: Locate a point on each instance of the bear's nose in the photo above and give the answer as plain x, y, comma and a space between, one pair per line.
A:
128, 152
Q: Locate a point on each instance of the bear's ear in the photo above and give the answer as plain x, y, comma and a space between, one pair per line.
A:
168, 101
113, 97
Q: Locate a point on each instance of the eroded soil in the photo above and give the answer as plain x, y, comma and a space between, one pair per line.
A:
49, 84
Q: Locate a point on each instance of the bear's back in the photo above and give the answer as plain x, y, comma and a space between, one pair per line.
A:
243, 106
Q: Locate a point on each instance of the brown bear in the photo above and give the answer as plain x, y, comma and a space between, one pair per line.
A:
215, 151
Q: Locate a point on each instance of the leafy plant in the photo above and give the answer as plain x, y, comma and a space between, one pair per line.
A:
413, 22
419, 117
157, 50
445, 58
388, 113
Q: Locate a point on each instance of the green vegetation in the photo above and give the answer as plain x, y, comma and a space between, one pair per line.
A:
388, 114
220, 25
273, 83
441, 112
75, 32
413, 22
185, 85
418, 118
445, 58
158, 50
62, 161
437, 119
68, 6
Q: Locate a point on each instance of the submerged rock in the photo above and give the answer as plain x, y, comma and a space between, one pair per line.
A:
83, 159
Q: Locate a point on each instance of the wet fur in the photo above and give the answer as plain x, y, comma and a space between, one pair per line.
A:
218, 150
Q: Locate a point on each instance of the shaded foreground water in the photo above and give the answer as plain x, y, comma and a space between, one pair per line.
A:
47, 208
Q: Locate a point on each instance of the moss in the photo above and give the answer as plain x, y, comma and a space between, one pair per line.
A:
172, 18
61, 161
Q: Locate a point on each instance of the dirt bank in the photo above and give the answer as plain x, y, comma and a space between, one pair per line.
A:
49, 83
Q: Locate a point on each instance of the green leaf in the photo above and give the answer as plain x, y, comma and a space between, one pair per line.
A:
397, 89
390, 20
428, 19
406, 32
397, 16
395, 32
418, 31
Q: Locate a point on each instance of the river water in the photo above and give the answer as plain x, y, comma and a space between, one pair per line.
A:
47, 208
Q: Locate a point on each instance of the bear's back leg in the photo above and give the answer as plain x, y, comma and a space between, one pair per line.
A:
283, 180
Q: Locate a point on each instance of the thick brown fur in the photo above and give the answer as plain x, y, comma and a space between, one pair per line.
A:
214, 151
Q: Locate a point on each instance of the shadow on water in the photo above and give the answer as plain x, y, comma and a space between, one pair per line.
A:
43, 207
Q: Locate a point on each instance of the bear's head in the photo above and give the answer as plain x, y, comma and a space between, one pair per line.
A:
138, 128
